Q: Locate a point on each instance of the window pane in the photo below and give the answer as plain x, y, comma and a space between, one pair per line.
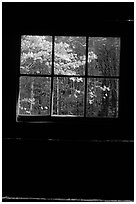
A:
36, 54
103, 56
34, 96
102, 97
68, 96
70, 55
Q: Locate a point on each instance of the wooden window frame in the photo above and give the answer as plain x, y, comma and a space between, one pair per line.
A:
63, 118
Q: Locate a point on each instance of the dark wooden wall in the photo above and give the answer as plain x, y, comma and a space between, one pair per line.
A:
90, 159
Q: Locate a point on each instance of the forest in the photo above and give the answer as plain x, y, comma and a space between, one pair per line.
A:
60, 77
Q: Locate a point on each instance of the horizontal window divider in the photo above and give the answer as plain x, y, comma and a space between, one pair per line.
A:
104, 77
64, 75
63, 116
36, 75
83, 76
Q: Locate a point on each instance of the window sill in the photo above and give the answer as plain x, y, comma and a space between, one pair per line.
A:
60, 118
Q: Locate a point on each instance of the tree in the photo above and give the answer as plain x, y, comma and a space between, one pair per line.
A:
107, 51
69, 59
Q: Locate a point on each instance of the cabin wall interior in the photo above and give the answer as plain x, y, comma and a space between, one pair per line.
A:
87, 158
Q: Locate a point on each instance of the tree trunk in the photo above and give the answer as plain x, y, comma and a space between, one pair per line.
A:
57, 96
18, 109
32, 96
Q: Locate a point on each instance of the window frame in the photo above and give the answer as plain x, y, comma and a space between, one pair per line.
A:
52, 75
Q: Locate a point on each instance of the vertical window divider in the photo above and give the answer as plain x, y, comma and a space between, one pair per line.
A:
18, 82
52, 74
86, 74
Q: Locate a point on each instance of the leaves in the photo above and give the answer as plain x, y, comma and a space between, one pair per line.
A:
36, 51
68, 96
69, 59
106, 56
35, 95
102, 97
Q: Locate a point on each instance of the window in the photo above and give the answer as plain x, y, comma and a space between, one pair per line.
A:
69, 76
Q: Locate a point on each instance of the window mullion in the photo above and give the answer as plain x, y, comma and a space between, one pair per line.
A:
52, 74
86, 74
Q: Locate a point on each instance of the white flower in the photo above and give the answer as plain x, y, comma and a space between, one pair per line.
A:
79, 79
91, 101
104, 88
91, 56
78, 91
75, 95
72, 78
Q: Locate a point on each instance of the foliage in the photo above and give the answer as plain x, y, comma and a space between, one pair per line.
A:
106, 61
36, 55
102, 97
68, 92
35, 95
70, 55
68, 96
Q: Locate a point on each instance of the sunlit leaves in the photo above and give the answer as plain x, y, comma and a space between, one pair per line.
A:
102, 97
105, 57
36, 55
68, 96
69, 59
34, 96
70, 55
